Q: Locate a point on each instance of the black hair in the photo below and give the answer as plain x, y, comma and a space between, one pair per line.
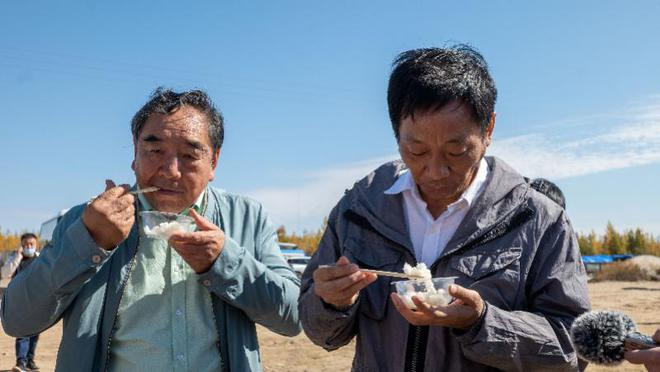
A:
167, 101
430, 78
549, 189
29, 236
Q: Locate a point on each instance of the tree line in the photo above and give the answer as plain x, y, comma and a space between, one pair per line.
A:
9, 241
307, 241
631, 241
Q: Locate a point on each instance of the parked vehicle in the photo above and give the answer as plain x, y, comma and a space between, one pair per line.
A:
291, 250
296, 257
47, 228
298, 264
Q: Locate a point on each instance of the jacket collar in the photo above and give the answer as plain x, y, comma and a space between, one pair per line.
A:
406, 183
504, 191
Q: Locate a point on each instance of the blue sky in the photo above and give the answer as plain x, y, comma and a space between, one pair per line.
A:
302, 87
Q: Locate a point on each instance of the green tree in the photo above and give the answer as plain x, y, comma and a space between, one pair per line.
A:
586, 245
612, 241
640, 242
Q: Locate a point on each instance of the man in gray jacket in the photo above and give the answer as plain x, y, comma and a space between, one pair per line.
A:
131, 302
520, 281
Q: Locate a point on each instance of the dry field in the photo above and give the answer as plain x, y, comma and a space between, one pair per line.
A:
641, 300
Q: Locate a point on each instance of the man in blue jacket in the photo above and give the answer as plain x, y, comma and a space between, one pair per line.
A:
130, 302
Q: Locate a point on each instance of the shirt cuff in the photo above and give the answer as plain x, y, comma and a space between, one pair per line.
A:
221, 277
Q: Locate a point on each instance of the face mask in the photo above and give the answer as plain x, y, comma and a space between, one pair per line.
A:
29, 252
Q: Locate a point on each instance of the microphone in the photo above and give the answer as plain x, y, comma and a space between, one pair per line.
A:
602, 337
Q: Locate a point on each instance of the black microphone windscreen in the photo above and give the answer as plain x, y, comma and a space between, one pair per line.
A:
598, 336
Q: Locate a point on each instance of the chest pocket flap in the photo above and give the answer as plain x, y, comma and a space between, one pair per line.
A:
374, 255
371, 255
481, 261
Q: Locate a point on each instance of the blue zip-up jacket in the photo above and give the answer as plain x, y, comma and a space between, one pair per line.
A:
77, 281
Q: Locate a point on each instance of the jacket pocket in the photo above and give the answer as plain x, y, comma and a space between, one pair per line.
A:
483, 261
377, 255
492, 271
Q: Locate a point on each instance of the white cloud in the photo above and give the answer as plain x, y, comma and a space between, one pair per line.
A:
567, 148
615, 141
304, 206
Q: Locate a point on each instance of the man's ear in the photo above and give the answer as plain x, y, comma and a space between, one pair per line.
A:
488, 135
134, 153
214, 163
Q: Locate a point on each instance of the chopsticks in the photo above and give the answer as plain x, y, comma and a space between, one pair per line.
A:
132, 192
144, 190
381, 272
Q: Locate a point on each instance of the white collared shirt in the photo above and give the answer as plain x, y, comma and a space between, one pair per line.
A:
430, 236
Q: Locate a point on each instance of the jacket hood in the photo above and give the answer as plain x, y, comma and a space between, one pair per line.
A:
504, 191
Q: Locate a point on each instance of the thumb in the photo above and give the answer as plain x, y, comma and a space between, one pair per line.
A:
109, 184
202, 223
467, 296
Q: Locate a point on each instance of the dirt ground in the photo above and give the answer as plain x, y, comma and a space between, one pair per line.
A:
641, 300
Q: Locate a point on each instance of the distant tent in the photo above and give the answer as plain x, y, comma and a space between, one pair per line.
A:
595, 263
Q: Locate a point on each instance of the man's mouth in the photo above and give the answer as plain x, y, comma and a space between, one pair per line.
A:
435, 186
168, 191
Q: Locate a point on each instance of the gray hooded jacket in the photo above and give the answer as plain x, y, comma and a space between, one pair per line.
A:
515, 247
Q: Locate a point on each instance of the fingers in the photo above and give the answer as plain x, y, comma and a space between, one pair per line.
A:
425, 307
411, 316
342, 269
334, 273
649, 356
194, 238
115, 192
202, 223
343, 260
467, 297
110, 216
199, 249
340, 284
191, 250
656, 335
109, 184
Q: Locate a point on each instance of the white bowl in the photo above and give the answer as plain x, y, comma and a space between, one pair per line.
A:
161, 225
434, 291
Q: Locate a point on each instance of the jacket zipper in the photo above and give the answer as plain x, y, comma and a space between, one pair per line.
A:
123, 289
415, 358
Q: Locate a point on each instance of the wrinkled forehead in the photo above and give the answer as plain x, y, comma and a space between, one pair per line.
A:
184, 125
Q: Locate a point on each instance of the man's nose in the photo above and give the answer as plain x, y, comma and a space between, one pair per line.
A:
170, 168
437, 169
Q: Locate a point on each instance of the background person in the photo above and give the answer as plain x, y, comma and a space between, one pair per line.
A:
17, 262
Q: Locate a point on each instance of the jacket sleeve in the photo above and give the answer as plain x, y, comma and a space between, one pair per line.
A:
262, 285
11, 265
537, 339
326, 326
38, 296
